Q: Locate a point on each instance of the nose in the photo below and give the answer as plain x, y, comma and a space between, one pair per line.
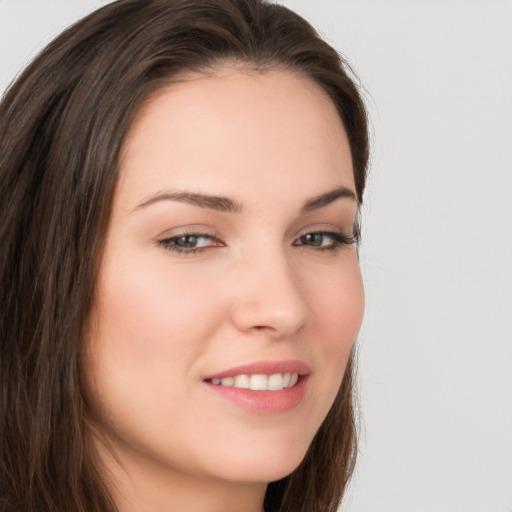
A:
269, 298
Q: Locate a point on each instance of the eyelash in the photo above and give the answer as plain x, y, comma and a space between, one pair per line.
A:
169, 244
339, 240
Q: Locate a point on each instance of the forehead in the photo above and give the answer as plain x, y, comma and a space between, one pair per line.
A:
217, 133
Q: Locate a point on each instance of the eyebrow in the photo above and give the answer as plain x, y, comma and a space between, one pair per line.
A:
217, 203
327, 198
225, 204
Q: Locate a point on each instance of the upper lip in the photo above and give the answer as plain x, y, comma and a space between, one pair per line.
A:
263, 368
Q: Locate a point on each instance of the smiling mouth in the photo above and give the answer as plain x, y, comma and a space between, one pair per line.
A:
262, 387
256, 382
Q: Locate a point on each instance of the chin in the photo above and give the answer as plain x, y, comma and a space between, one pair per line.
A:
264, 467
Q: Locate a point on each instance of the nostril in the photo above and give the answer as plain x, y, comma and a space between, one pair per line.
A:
278, 311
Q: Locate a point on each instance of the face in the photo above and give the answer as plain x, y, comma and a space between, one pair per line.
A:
229, 293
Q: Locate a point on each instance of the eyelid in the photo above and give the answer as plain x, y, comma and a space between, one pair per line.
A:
339, 240
188, 229
330, 229
168, 240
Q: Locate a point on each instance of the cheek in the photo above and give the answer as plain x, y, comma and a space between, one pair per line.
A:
146, 335
147, 330
149, 312
338, 302
338, 313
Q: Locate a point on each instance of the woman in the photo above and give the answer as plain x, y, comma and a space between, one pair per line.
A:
180, 183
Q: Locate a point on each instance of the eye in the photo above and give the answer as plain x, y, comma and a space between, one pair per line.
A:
189, 243
325, 240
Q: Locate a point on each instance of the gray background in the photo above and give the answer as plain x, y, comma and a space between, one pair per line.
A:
436, 345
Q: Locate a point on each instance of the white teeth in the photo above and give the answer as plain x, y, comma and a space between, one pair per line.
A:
242, 381
274, 382
227, 381
258, 382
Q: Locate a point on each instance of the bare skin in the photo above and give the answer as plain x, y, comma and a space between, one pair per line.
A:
192, 286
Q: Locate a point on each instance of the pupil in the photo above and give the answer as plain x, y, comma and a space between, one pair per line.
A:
314, 239
187, 241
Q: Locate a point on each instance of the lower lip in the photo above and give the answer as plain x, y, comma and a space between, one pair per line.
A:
263, 402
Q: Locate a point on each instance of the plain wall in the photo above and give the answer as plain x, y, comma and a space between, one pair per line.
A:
436, 345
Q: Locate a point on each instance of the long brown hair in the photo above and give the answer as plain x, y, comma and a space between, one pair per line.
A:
62, 125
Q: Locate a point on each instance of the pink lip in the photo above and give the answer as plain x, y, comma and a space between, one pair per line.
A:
263, 368
263, 402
